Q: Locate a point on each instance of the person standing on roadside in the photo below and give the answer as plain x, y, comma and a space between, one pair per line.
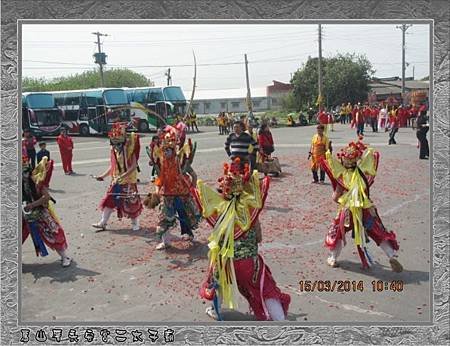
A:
43, 152
394, 124
29, 141
241, 144
65, 144
360, 121
422, 129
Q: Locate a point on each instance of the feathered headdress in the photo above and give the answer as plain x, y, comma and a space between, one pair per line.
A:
232, 182
118, 133
353, 151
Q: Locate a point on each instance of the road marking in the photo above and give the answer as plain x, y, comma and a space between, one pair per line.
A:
54, 145
307, 145
297, 292
77, 196
84, 162
208, 150
401, 205
355, 308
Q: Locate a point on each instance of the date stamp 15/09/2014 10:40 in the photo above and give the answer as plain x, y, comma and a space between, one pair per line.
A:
350, 286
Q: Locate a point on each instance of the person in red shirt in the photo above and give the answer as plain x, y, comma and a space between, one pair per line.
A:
367, 113
359, 121
353, 115
265, 141
414, 114
65, 144
402, 116
323, 119
374, 118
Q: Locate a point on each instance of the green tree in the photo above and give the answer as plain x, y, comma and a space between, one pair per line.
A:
345, 79
288, 102
114, 78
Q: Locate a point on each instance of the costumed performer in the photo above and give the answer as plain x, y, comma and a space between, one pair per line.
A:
122, 194
173, 187
352, 175
38, 216
320, 144
235, 264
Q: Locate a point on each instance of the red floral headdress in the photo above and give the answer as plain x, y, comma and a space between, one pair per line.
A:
234, 178
169, 137
353, 151
118, 133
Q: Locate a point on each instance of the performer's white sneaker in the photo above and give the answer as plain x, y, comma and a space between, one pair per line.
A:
211, 313
162, 246
332, 262
165, 242
99, 225
66, 261
136, 226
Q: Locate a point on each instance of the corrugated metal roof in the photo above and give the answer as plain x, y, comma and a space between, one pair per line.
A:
395, 87
410, 84
226, 93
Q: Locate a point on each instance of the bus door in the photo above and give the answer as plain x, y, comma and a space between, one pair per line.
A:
71, 107
162, 110
95, 114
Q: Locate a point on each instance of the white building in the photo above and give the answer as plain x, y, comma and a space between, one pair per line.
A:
229, 100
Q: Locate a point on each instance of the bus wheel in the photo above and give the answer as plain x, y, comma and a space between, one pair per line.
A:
84, 130
143, 126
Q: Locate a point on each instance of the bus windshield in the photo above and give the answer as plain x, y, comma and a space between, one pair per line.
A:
155, 95
115, 97
48, 118
40, 101
174, 94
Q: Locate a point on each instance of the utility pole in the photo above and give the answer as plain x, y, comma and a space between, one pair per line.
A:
169, 77
249, 96
100, 58
413, 71
403, 28
319, 99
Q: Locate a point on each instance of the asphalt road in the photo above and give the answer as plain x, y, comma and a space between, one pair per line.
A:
117, 275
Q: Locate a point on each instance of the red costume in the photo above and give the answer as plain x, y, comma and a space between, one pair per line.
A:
65, 144
351, 178
265, 141
374, 113
367, 114
402, 116
234, 258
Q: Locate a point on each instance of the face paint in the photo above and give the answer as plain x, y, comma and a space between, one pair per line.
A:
168, 152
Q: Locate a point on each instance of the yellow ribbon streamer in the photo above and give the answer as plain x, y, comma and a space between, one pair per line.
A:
355, 198
234, 213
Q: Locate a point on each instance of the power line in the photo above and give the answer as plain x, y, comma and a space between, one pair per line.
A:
168, 65
262, 37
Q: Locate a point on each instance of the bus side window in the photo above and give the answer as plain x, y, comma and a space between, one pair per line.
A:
83, 107
71, 105
59, 100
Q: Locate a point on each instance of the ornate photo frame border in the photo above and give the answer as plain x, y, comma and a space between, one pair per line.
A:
16, 12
